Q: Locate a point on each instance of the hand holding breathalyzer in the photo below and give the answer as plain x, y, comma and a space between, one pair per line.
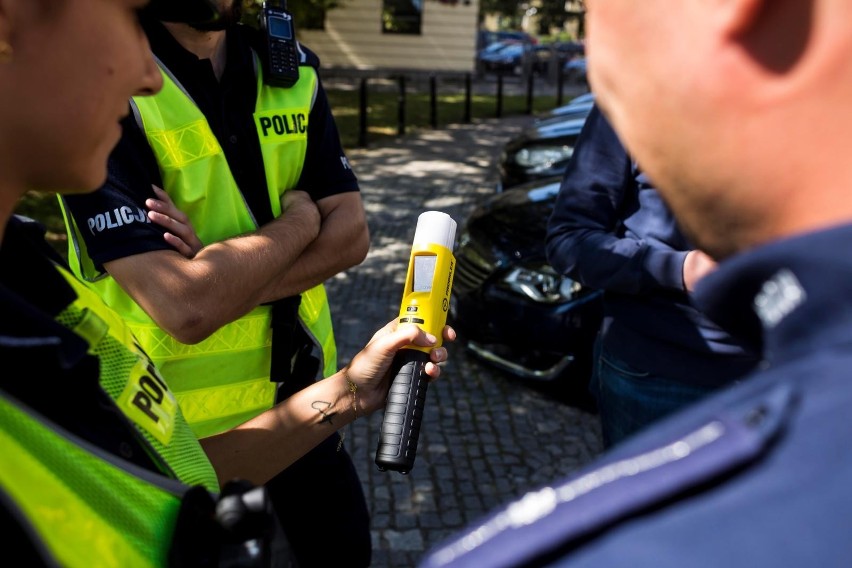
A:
425, 302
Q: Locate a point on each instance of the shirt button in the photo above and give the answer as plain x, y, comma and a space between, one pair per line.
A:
232, 139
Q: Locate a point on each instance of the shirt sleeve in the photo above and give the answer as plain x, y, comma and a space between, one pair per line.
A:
586, 239
326, 170
113, 220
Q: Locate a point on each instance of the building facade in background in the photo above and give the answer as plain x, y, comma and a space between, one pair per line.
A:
429, 35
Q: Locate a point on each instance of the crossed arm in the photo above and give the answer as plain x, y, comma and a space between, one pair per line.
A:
195, 288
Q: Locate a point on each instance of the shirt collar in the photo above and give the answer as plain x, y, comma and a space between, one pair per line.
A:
786, 297
197, 74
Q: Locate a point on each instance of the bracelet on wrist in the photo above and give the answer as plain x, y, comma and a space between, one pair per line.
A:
353, 388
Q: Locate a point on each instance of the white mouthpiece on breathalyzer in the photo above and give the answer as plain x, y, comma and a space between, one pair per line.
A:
435, 227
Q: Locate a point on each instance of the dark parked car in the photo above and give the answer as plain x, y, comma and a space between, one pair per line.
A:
510, 307
567, 50
488, 58
510, 57
574, 71
545, 58
579, 107
487, 37
543, 149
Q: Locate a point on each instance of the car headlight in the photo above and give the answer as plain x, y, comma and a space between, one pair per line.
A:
541, 283
542, 156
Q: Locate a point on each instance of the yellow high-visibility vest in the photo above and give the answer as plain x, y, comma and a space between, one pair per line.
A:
87, 507
225, 379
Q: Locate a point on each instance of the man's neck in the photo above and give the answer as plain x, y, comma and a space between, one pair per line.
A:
204, 44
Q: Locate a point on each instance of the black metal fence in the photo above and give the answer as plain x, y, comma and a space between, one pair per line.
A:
497, 85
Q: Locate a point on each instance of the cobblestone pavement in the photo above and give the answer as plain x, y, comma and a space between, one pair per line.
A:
486, 437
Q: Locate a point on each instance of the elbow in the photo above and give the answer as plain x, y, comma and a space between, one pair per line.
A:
196, 329
191, 336
362, 247
561, 260
358, 247
560, 251
187, 327
551, 252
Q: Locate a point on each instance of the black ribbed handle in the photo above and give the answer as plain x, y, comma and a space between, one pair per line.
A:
403, 412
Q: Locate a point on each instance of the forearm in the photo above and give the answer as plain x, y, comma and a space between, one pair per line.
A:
604, 261
597, 259
192, 298
583, 240
267, 444
343, 242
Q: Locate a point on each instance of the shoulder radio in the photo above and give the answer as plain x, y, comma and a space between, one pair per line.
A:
281, 61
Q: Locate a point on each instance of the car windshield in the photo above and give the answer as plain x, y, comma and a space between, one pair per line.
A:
499, 46
512, 50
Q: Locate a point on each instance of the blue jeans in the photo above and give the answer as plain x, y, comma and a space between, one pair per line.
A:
629, 399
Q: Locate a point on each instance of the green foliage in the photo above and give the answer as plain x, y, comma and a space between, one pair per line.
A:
510, 10
401, 17
551, 14
45, 208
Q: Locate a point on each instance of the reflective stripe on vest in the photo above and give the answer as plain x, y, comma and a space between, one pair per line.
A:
87, 510
223, 380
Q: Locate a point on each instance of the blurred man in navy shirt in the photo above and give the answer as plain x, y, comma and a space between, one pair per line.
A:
611, 230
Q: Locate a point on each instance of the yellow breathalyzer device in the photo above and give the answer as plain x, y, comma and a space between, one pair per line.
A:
425, 302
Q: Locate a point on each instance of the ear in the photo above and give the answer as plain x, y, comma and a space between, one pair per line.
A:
736, 17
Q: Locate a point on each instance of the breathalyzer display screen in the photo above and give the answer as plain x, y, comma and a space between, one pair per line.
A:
424, 271
280, 28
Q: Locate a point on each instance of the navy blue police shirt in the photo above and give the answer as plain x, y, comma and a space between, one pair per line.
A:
610, 230
758, 474
228, 106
